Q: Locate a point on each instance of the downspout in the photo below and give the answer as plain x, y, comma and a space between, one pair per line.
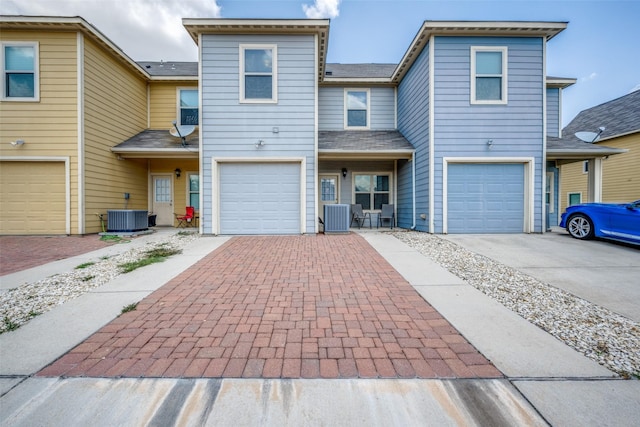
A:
413, 188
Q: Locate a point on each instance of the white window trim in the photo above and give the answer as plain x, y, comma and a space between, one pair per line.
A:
391, 187
552, 193
188, 187
585, 167
505, 59
36, 72
274, 74
346, 108
179, 108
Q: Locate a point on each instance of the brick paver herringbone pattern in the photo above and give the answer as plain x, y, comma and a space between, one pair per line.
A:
310, 306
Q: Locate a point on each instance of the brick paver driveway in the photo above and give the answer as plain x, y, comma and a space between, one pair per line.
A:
281, 307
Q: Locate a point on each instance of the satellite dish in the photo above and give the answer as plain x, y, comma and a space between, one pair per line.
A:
182, 131
589, 137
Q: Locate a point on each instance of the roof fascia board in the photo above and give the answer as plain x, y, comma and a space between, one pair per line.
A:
620, 135
77, 23
473, 28
174, 78
561, 82
196, 26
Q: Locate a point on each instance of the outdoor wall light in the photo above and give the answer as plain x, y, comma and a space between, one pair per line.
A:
17, 142
490, 143
177, 172
260, 143
344, 172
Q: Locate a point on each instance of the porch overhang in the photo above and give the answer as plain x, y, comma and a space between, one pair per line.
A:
568, 151
158, 144
363, 145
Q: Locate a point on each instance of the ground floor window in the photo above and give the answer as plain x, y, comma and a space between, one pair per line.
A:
575, 199
194, 190
371, 191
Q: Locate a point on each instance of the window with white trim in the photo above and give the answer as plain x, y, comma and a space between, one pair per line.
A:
372, 191
193, 190
574, 198
188, 106
585, 166
356, 108
488, 75
258, 73
20, 80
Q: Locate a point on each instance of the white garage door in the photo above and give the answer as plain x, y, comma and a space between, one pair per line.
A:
259, 198
485, 198
32, 200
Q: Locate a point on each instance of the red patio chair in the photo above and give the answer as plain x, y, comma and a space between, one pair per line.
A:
187, 219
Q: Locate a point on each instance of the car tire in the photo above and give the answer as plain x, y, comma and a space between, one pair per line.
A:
580, 227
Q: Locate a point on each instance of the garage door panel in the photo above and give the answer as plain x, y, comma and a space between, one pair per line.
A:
485, 198
33, 198
260, 198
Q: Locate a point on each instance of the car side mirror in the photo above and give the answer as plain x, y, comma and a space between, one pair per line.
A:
631, 207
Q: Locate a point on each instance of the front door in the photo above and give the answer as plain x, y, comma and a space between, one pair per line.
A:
163, 199
328, 192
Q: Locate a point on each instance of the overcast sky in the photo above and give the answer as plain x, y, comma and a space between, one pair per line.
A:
600, 47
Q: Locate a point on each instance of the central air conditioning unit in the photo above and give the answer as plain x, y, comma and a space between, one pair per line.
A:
127, 220
336, 219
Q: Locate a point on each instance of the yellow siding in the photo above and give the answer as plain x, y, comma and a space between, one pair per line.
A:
115, 101
164, 104
572, 180
621, 173
48, 127
179, 184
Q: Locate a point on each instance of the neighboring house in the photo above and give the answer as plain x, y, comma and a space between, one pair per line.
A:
69, 95
620, 175
454, 136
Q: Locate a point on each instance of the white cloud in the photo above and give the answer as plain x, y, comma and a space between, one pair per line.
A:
590, 77
144, 29
322, 9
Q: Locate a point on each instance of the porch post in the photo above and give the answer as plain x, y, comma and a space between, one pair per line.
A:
594, 185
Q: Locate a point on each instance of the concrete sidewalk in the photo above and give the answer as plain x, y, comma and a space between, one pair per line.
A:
546, 380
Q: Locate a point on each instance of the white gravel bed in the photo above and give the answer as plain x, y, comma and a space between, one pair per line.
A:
20, 304
606, 337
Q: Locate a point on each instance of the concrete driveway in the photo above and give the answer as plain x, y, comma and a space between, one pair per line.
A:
604, 273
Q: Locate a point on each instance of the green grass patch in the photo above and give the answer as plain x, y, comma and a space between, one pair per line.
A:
114, 239
85, 265
33, 314
152, 256
128, 308
9, 325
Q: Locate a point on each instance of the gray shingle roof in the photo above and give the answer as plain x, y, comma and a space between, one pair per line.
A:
157, 140
363, 140
619, 117
170, 68
559, 148
359, 70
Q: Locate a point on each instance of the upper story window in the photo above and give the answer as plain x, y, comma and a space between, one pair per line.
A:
258, 73
188, 106
488, 75
356, 108
20, 71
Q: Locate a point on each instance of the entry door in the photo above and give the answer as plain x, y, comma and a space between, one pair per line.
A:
163, 199
328, 192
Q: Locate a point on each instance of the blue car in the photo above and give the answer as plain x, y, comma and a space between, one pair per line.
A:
605, 220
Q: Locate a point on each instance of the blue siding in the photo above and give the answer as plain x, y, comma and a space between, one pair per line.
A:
331, 108
553, 112
231, 129
462, 129
413, 123
352, 166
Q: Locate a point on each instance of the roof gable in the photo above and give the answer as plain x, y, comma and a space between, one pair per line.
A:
619, 117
